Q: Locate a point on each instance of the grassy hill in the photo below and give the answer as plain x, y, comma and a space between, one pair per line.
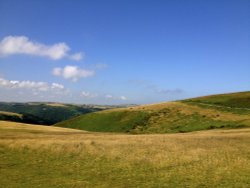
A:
43, 113
232, 100
210, 112
47, 156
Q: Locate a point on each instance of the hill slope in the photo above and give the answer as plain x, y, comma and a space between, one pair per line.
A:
232, 100
43, 113
170, 117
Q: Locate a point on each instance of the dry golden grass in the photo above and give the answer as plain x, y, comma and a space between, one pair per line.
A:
56, 104
205, 158
153, 148
7, 125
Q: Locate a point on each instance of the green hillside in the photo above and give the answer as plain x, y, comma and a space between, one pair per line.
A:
210, 112
234, 100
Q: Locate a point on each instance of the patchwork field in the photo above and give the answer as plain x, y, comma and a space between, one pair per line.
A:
42, 156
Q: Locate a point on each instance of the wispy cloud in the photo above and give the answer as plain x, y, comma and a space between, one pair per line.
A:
111, 97
100, 66
154, 88
73, 73
12, 45
88, 94
108, 96
77, 56
123, 98
168, 91
158, 90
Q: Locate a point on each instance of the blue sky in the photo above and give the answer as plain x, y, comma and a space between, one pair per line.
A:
114, 52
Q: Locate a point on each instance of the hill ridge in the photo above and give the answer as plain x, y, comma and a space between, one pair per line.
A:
201, 113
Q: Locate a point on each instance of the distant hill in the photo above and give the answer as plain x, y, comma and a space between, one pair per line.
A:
44, 113
233, 100
10, 116
210, 112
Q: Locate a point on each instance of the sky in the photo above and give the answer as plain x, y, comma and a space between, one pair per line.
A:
122, 52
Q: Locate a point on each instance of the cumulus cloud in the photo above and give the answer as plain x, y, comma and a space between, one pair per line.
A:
30, 85
72, 72
57, 86
12, 45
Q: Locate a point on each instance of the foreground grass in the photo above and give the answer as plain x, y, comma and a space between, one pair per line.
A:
38, 156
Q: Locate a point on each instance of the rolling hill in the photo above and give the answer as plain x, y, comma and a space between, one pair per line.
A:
203, 113
235, 101
43, 113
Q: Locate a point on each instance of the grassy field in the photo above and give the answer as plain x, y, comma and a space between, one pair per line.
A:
41, 156
211, 112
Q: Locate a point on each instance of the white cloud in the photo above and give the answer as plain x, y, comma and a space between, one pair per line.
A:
57, 71
12, 45
88, 94
72, 72
57, 86
30, 85
108, 96
77, 56
123, 98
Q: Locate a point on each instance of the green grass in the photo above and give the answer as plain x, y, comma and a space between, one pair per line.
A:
237, 103
234, 100
116, 121
181, 116
188, 123
56, 157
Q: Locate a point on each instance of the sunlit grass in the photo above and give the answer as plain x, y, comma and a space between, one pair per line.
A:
42, 156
